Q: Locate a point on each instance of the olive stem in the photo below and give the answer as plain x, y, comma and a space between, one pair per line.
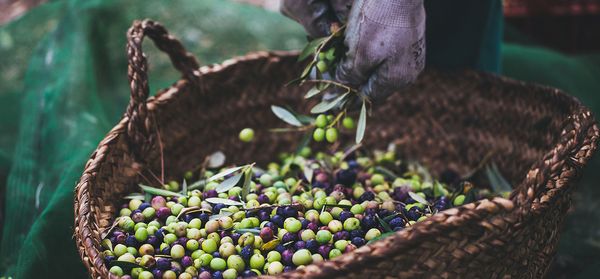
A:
324, 43
337, 119
350, 89
299, 129
294, 205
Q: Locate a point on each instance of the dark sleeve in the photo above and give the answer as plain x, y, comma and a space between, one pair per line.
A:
464, 34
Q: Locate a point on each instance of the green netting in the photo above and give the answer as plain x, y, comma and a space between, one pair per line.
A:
64, 78
63, 85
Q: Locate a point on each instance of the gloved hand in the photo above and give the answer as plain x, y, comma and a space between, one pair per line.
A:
386, 46
385, 40
316, 15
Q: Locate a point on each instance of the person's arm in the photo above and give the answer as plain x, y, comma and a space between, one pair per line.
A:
316, 16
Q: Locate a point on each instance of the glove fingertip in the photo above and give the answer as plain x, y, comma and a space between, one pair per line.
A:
345, 73
375, 90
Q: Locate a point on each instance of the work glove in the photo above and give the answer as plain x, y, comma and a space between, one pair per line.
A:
385, 40
317, 16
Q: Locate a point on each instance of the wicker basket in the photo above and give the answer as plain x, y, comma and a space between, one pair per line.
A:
541, 137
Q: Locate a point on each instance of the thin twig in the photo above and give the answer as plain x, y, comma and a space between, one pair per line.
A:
204, 166
285, 130
350, 151
335, 146
105, 233
337, 119
144, 177
326, 41
350, 89
294, 205
156, 177
162, 158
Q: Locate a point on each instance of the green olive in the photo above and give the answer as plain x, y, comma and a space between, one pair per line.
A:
322, 66
247, 135
331, 135
321, 121
319, 134
348, 123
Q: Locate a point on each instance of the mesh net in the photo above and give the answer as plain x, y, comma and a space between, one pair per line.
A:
63, 85
64, 78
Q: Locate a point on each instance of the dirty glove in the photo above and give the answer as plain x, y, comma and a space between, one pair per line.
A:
385, 40
386, 46
316, 15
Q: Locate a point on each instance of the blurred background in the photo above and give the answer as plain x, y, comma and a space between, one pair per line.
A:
63, 85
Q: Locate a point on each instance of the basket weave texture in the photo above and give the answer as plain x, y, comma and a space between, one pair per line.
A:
540, 137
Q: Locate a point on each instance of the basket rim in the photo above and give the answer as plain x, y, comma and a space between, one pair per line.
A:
477, 211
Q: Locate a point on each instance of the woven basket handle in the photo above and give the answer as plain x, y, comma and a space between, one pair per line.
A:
138, 127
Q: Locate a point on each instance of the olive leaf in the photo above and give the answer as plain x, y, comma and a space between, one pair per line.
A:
323, 209
438, 190
382, 236
270, 245
386, 172
286, 116
135, 196
305, 119
224, 201
350, 151
247, 182
322, 85
458, 190
304, 142
415, 168
286, 167
216, 160
328, 105
222, 214
193, 209
224, 173
391, 216
252, 231
295, 187
301, 78
228, 183
418, 198
327, 163
362, 123
311, 48
498, 183
197, 185
346, 206
184, 187
159, 192
126, 266
470, 197
384, 224
308, 172
307, 70
262, 206
147, 197
313, 92
107, 244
